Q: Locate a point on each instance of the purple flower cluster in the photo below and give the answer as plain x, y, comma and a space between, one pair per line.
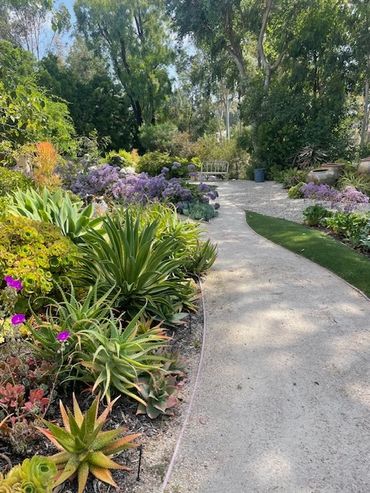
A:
348, 199
143, 188
13, 283
97, 181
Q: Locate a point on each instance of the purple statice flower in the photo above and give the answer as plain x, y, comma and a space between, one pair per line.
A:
18, 319
165, 170
212, 195
63, 336
320, 192
191, 167
175, 166
13, 283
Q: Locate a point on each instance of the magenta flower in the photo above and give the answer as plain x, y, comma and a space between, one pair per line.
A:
13, 283
18, 319
63, 336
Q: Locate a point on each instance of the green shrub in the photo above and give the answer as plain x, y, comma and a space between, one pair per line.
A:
12, 180
153, 162
315, 214
295, 191
34, 252
132, 259
290, 177
350, 226
123, 158
55, 207
158, 137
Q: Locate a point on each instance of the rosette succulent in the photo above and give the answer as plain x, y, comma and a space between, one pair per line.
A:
34, 475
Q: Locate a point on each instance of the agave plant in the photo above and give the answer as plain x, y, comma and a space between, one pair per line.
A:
157, 390
116, 357
35, 475
131, 260
202, 258
55, 207
84, 447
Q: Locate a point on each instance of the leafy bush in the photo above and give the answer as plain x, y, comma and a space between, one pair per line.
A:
123, 158
35, 252
85, 448
131, 258
34, 475
55, 207
295, 192
315, 214
152, 163
158, 137
350, 226
11, 180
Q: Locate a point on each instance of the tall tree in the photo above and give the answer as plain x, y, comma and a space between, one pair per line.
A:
133, 36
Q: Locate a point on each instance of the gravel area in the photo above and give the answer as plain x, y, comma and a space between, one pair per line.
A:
267, 198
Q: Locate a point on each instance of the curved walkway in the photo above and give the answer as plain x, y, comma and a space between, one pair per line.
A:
283, 402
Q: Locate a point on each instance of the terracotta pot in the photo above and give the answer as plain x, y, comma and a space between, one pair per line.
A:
364, 166
328, 175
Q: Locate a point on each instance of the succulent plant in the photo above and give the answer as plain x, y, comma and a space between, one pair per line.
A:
158, 392
35, 475
84, 447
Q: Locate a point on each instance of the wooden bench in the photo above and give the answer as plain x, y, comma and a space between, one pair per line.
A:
214, 168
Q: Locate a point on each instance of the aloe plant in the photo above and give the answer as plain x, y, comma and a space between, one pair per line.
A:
84, 448
158, 391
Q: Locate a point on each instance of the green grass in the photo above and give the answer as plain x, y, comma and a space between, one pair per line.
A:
316, 246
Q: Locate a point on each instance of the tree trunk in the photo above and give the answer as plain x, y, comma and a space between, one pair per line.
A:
365, 120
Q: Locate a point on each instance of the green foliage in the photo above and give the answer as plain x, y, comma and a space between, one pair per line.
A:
200, 211
314, 215
201, 258
86, 449
158, 137
28, 115
350, 226
130, 258
290, 177
34, 252
16, 65
112, 357
157, 390
294, 192
123, 158
350, 178
55, 207
153, 162
71, 315
35, 475
11, 180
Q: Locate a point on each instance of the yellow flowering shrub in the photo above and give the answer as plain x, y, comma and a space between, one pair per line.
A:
34, 252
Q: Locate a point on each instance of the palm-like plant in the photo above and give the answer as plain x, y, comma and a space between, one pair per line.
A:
129, 259
55, 207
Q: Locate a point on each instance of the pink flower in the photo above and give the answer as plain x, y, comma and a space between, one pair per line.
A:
18, 319
13, 283
63, 336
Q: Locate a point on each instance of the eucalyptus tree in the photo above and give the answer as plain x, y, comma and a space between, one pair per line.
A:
134, 37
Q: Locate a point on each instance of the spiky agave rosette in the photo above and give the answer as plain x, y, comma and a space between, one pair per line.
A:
84, 447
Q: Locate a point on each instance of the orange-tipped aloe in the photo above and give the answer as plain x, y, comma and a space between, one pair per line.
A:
84, 447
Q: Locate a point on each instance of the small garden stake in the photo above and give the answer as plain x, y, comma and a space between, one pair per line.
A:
140, 448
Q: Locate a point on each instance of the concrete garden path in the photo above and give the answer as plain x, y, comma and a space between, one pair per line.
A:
283, 402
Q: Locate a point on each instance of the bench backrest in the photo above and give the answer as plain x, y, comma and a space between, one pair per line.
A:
215, 167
